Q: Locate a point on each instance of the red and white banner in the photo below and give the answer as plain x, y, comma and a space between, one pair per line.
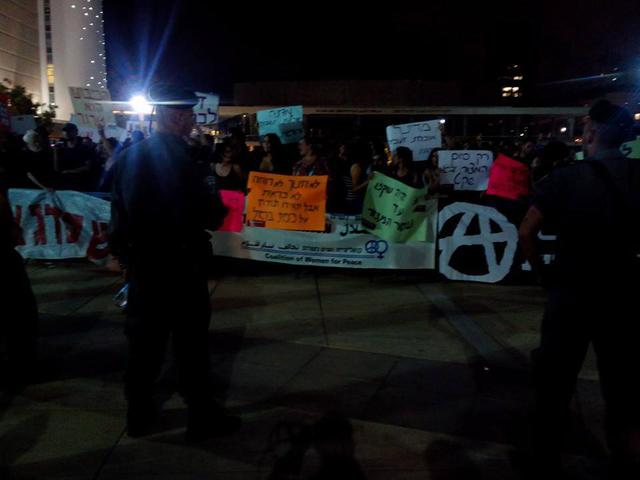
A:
62, 224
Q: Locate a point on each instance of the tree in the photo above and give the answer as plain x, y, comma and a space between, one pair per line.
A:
21, 103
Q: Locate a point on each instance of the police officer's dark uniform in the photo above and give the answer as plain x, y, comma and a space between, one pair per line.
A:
19, 319
160, 210
592, 290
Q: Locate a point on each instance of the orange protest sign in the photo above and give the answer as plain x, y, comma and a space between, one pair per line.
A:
508, 178
285, 202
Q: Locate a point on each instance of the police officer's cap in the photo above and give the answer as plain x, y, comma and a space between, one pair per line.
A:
607, 113
172, 96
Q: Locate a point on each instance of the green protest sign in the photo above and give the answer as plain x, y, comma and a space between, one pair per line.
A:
631, 149
394, 211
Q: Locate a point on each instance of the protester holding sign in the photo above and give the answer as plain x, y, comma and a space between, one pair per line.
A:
228, 175
273, 158
76, 163
19, 320
311, 164
404, 169
431, 174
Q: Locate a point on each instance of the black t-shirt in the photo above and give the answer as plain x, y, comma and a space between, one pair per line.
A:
594, 234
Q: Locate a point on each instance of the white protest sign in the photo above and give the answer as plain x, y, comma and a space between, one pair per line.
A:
206, 111
61, 224
420, 137
21, 123
465, 169
498, 266
286, 122
92, 107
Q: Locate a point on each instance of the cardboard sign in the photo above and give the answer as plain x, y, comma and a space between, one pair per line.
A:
206, 111
286, 202
20, 124
394, 211
234, 201
465, 169
631, 149
92, 107
420, 137
508, 178
285, 122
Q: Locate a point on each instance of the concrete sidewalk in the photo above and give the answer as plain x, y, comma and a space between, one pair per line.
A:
433, 375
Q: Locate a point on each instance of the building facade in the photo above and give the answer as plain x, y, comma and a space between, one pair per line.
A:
73, 46
48, 46
20, 45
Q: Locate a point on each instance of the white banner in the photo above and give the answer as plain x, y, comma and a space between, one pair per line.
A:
92, 107
61, 224
420, 137
465, 169
206, 111
346, 245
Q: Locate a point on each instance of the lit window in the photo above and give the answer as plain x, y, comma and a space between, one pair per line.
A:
506, 89
515, 89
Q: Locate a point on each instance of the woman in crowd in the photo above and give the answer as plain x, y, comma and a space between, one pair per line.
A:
379, 158
311, 162
110, 149
431, 175
404, 169
273, 158
228, 175
356, 178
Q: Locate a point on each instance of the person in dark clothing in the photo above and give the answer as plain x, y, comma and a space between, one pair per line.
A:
228, 174
76, 163
273, 158
19, 321
37, 158
593, 206
160, 209
404, 169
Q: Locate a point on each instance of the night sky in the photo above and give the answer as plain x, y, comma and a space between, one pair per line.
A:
212, 47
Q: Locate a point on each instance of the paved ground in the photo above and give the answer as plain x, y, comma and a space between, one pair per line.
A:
433, 376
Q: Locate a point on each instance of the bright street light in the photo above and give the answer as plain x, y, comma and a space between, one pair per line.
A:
139, 104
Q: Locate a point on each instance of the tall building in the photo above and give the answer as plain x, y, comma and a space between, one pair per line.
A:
73, 46
20, 45
48, 46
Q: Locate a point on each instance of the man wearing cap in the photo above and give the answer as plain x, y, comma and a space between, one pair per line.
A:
160, 211
594, 206
76, 162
